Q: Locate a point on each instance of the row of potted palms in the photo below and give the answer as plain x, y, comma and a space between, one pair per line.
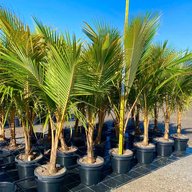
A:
46, 72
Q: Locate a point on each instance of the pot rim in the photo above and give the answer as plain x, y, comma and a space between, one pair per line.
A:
28, 162
67, 153
91, 165
144, 147
121, 156
42, 177
13, 150
169, 142
9, 183
175, 137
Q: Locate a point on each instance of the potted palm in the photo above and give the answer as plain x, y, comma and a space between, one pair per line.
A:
173, 60
3, 141
70, 79
145, 83
137, 37
15, 34
55, 78
12, 149
103, 58
182, 101
158, 60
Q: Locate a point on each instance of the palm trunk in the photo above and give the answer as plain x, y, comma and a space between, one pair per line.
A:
53, 155
12, 128
27, 139
2, 130
121, 125
155, 118
89, 134
167, 120
124, 79
101, 122
54, 144
146, 124
26, 124
64, 146
179, 114
32, 118
61, 138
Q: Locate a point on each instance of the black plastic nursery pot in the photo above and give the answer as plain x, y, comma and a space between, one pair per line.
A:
26, 168
11, 154
165, 148
100, 149
50, 183
114, 142
144, 154
7, 157
7, 187
91, 174
68, 160
131, 138
121, 163
78, 141
139, 138
180, 143
3, 143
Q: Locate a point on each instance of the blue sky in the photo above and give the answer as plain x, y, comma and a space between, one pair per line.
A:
176, 17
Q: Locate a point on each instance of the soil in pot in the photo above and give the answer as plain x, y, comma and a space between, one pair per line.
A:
144, 154
164, 147
90, 173
121, 163
26, 166
67, 158
47, 182
180, 142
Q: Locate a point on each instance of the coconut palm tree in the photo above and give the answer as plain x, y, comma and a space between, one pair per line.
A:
158, 69
165, 66
104, 58
170, 88
8, 99
137, 37
3, 111
182, 95
18, 45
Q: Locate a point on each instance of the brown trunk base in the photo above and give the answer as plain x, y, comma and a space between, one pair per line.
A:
166, 137
88, 160
29, 157
46, 170
145, 143
2, 139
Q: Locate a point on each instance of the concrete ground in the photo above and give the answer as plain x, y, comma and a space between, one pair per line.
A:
175, 177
